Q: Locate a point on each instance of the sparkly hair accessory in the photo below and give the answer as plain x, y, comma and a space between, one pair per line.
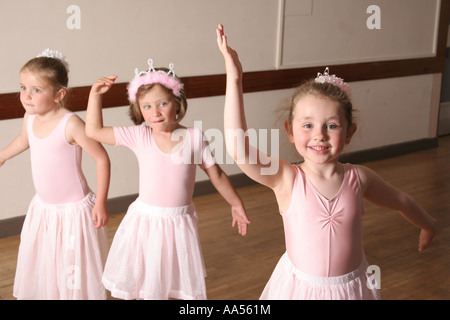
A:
167, 79
327, 78
55, 55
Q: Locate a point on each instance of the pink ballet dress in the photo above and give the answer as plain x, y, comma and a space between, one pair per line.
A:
324, 258
155, 253
61, 254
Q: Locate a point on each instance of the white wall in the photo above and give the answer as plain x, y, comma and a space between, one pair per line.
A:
118, 36
337, 31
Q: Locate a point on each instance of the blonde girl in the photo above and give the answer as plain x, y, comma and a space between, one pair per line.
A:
321, 199
63, 244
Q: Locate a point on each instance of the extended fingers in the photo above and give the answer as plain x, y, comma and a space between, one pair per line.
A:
221, 38
425, 239
242, 223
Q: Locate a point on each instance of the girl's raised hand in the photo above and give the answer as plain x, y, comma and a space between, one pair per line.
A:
103, 84
232, 64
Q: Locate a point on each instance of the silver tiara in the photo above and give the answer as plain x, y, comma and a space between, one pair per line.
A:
55, 55
326, 77
138, 73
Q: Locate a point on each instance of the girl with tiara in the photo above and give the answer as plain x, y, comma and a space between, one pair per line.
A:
63, 243
155, 253
321, 199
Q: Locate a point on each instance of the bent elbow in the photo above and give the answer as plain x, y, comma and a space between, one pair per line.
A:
89, 132
92, 132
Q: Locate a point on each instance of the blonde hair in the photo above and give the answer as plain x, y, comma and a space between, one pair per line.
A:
52, 70
327, 90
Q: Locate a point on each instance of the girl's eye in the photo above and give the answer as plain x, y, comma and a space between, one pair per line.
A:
36, 90
307, 126
332, 126
163, 104
22, 88
147, 107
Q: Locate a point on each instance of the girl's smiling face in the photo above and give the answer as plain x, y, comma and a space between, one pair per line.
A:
319, 129
159, 109
37, 95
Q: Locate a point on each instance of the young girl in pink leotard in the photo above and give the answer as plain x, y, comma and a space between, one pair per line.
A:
321, 199
155, 253
63, 244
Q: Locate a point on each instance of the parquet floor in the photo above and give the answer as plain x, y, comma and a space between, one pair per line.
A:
239, 267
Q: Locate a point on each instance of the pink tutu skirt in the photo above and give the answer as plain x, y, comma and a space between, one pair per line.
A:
156, 255
289, 283
61, 255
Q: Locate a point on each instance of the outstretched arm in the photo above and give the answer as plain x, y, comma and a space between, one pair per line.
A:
223, 185
17, 146
94, 119
383, 194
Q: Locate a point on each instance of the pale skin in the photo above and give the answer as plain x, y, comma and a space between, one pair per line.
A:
159, 111
38, 98
319, 131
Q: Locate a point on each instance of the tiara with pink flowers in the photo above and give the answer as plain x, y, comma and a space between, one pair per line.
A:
55, 55
327, 78
167, 79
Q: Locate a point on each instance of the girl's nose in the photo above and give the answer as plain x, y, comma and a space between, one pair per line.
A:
26, 94
156, 111
320, 134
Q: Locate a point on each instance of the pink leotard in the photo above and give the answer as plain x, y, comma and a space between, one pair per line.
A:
324, 237
166, 180
56, 165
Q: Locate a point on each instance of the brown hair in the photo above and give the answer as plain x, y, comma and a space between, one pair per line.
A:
135, 110
326, 90
50, 69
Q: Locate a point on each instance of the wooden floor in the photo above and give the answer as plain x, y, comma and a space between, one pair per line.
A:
239, 267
